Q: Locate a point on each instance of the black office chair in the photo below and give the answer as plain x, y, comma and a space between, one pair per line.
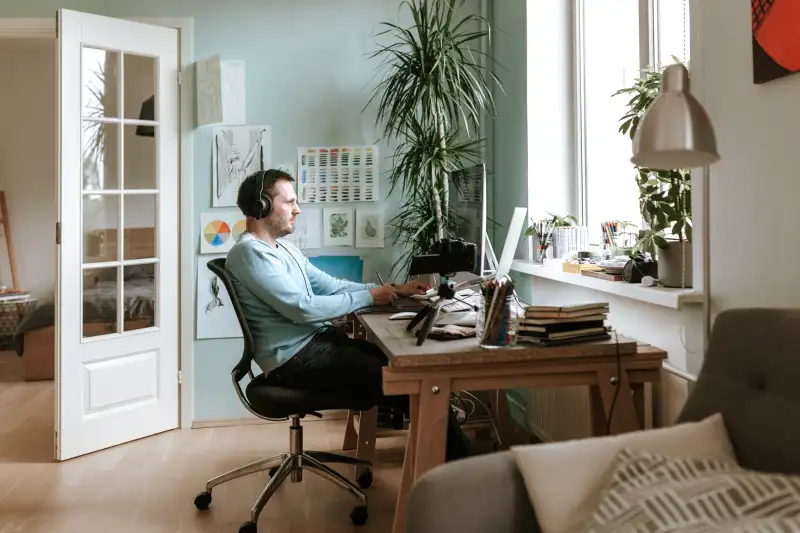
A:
281, 403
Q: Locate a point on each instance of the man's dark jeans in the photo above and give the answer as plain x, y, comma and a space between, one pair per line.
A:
333, 361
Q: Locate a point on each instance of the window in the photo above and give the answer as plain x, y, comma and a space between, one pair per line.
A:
613, 45
672, 30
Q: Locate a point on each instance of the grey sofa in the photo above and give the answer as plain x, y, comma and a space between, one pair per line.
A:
751, 374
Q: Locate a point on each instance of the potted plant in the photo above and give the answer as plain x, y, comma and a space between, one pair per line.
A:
431, 100
625, 240
541, 233
664, 195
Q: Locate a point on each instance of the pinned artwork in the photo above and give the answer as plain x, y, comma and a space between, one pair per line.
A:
337, 174
216, 318
220, 91
238, 151
289, 168
776, 48
220, 230
369, 228
338, 227
308, 229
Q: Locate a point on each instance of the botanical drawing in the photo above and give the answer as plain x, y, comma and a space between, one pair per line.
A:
339, 224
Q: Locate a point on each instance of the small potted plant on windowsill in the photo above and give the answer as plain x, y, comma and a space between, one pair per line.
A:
541, 233
668, 212
665, 197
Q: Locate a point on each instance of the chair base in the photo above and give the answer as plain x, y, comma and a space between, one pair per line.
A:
292, 465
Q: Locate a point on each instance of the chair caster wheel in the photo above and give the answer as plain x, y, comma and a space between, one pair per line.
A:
202, 500
273, 471
358, 515
365, 480
248, 527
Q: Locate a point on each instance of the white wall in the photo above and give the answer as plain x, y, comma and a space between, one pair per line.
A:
27, 161
755, 188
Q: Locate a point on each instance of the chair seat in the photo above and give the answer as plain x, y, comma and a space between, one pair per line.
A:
279, 402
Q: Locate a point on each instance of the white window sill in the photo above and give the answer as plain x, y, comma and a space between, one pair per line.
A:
672, 298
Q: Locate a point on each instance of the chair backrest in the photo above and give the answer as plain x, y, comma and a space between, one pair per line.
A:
243, 367
751, 374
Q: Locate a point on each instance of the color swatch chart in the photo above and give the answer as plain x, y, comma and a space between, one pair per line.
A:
337, 174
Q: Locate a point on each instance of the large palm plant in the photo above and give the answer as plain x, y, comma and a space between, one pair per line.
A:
431, 101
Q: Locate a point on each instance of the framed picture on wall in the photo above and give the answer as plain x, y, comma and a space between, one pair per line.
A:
776, 46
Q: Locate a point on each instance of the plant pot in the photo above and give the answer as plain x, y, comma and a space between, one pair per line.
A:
670, 265
537, 253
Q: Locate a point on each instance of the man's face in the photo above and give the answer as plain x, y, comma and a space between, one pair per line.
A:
284, 209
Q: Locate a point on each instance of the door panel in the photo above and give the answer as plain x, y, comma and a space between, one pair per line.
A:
118, 208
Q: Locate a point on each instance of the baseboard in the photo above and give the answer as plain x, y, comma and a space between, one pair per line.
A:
336, 414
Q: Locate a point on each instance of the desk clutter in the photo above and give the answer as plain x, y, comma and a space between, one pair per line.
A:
551, 325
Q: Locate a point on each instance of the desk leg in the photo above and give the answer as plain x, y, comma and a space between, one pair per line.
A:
350, 434
624, 417
407, 477
434, 401
351, 440
367, 433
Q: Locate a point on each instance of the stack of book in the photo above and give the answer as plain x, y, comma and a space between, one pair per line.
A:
13, 295
550, 325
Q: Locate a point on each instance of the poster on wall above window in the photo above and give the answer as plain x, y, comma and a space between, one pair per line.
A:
776, 47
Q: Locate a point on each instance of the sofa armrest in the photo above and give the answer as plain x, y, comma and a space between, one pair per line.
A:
474, 495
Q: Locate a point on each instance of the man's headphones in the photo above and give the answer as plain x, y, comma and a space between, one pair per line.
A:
262, 204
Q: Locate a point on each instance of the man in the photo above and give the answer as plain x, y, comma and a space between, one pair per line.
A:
289, 304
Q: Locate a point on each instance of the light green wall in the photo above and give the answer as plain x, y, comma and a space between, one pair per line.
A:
307, 68
509, 143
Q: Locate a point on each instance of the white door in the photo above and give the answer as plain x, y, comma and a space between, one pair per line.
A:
117, 325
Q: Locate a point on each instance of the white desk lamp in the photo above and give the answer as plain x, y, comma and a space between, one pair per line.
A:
675, 132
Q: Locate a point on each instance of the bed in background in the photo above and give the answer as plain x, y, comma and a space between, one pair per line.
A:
34, 339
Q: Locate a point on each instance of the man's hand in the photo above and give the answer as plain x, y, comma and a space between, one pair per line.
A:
383, 295
411, 288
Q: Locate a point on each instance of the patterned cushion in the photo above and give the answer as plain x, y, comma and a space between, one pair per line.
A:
650, 493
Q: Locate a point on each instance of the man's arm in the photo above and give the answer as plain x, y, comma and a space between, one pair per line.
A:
266, 277
325, 284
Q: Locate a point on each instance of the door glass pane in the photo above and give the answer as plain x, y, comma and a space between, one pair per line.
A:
140, 157
139, 86
100, 71
140, 225
101, 145
100, 223
140, 297
99, 301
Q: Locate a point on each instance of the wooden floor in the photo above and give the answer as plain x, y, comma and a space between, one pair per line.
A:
149, 485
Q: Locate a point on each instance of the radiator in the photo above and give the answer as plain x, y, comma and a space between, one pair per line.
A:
559, 414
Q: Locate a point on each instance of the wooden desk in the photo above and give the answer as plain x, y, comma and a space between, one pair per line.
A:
429, 373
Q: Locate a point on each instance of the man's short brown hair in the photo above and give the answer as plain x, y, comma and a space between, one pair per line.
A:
259, 185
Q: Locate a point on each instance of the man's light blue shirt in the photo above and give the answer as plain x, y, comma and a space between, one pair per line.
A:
286, 299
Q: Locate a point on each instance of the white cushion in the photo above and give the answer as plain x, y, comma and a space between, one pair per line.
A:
650, 493
565, 479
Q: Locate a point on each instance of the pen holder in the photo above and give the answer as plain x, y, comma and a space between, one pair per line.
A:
496, 325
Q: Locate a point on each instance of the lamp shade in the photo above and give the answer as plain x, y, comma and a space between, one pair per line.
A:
675, 131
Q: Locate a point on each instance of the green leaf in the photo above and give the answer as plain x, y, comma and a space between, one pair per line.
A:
669, 211
660, 241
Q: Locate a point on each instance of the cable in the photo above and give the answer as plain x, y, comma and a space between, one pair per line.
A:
616, 381
489, 414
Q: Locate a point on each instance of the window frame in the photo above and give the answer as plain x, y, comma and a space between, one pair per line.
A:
648, 55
